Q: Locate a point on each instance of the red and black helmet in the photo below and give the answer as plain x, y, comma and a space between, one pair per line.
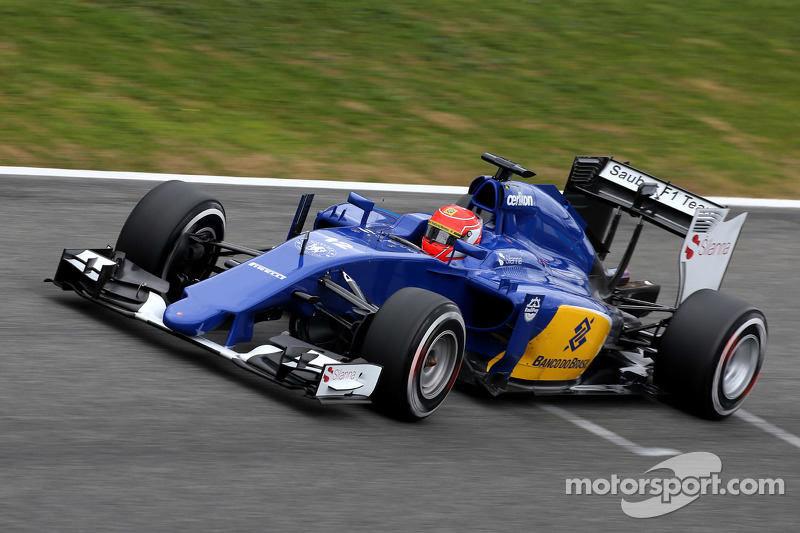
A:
449, 223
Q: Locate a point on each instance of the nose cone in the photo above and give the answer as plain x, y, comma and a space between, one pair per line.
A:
191, 318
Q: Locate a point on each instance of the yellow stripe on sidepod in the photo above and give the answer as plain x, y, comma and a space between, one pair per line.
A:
564, 349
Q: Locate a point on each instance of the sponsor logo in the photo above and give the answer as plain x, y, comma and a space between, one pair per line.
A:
338, 374
691, 475
509, 259
444, 228
519, 199
266, 270
316, 249
629, 175
581, 330
532, 309
665, 193
706, 246
554, 362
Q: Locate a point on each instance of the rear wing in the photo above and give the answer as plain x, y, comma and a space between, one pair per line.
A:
598, 185
599, 188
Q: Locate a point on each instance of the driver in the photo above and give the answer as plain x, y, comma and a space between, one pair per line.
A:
449, 223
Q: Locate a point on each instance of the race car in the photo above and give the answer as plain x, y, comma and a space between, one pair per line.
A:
505, 288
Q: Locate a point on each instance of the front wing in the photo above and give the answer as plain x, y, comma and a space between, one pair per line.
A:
107, 278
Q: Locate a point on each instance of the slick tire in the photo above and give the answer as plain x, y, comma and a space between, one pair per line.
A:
156, 235
418, 337
711, 354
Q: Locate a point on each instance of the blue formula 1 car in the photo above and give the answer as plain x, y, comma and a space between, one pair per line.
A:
373, 317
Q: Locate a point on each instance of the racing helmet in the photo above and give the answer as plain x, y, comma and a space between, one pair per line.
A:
449, 223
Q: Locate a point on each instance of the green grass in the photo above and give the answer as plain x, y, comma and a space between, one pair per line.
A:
702, 92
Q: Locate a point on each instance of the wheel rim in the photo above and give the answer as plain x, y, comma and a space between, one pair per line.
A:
199, 224
438, 364
741, 365
738, 366
197, 266
178, 270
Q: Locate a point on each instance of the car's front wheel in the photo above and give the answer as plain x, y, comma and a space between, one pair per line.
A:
418, 337
165, 234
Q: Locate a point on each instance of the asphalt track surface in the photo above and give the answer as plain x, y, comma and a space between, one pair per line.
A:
107, 424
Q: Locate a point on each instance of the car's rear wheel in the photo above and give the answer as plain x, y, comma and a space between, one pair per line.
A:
711, 354
158, 234
418, 337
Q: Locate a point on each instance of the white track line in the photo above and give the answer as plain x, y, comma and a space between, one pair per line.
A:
607, 434
768, 427
226, 180
316, 184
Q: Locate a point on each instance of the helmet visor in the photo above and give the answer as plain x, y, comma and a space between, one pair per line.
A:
440, 236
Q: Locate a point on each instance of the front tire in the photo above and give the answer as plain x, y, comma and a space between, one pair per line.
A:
156, 235
711, 354
418, 337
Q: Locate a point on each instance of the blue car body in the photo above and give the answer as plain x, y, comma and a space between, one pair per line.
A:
533, 264
374, 319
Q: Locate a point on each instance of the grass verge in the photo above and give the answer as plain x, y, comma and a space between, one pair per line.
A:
703, 93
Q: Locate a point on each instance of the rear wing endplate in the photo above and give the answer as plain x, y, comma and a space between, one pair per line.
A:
707, 250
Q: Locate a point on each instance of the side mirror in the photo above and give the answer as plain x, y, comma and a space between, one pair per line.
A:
470, 249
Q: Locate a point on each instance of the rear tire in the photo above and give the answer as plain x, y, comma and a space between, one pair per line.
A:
156, 238
418, 337
711, 354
